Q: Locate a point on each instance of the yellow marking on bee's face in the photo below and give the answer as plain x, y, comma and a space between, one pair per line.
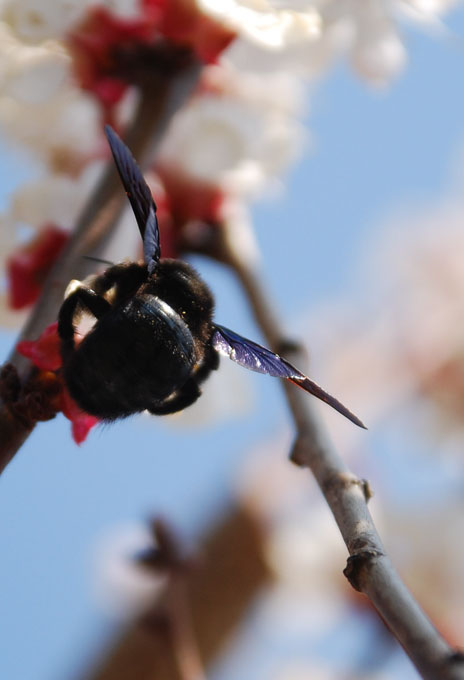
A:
72, 286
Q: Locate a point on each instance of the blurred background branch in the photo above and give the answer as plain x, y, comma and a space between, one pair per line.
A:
219, 588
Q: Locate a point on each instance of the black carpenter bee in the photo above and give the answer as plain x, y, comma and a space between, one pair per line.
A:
154, 340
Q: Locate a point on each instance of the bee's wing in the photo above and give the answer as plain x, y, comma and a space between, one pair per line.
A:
139, 196
257, 358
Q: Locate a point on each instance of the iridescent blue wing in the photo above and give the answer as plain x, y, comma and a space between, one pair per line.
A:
257, 358
139, 196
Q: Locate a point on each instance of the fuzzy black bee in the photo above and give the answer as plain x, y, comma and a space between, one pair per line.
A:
154, 341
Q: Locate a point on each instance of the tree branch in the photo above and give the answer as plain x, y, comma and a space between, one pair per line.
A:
160, 96
368, 568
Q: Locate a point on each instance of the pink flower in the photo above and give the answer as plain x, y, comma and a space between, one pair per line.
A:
81, 422
45, 354
109, 50
45, 351
185, 24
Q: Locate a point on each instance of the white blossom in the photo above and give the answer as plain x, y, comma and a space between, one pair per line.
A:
426, 8
264, 24
61, 130
35, 21
409, 338
367, 32
56, 199
31, 73
427, 544
378, 53
236, 140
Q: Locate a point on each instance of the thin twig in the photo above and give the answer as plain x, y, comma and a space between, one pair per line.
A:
368, 569
160, 98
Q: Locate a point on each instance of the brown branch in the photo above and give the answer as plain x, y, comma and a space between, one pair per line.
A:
368, 568
161, 95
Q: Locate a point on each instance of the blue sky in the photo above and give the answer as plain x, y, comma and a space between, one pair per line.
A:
372, 153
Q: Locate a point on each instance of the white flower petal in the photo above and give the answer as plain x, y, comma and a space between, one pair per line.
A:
35, 21
239, 137
261, 23
379, 55
64, 128
35, 74
31, 73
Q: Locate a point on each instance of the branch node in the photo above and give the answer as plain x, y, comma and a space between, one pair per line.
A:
358, 563
457, 657
366, 488
32, 402
301, 451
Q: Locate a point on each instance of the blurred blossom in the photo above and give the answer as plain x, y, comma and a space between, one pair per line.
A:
409, 341
30, 73
424, 10
262, 22
378, 53
123, 587
64, 130
54, 198
282, 91
238, 137
304, 548
366, 31
37, 21
426, 541
238, 231
429, 310
305, 551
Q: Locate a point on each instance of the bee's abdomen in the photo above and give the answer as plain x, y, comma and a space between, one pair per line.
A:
135, 357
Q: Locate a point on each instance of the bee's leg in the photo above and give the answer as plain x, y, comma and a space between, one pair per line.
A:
126, 278
182, 398
81, 298
209, 363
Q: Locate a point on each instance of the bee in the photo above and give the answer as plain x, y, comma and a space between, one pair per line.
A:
154, 340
